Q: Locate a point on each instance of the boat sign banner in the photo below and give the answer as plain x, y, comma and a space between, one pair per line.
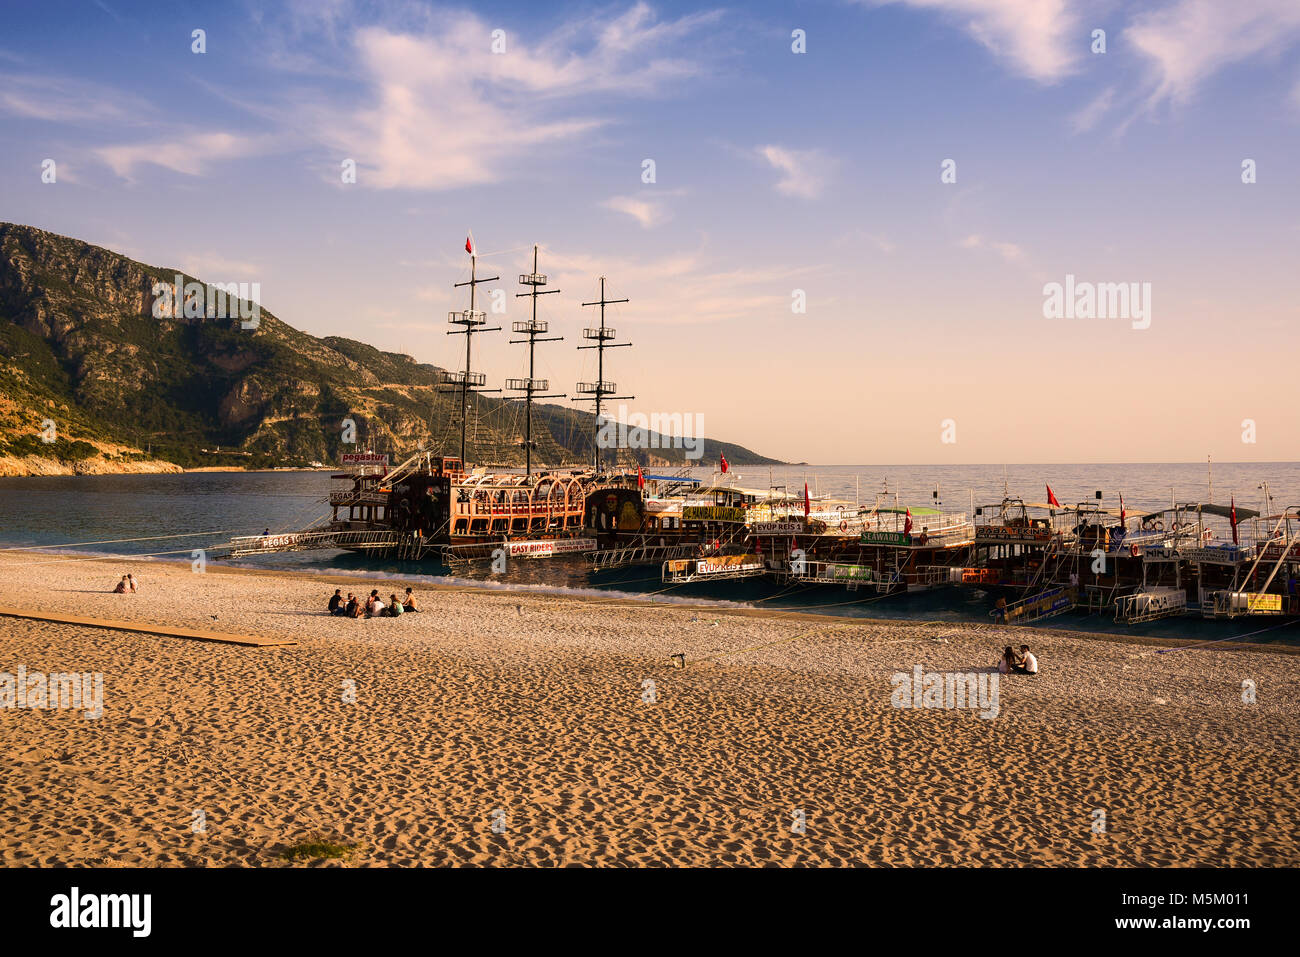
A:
728, 564
1011, 533
545, 549
366, 459
779, 528
712, 513
886, 538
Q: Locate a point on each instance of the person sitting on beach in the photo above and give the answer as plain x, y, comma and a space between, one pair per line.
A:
122, 587
374, 604
336, 601
394, 607
1027, 664
1007, 663
408, 603
353, 607
131, 584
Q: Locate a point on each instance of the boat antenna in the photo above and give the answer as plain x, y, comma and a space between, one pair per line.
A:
600, 390
471, 319
534, 328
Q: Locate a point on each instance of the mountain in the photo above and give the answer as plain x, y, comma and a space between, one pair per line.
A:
92, 380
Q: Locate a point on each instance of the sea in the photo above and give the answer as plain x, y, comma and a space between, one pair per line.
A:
147, 518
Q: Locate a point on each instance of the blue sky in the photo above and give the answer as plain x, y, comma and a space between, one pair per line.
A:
775, 172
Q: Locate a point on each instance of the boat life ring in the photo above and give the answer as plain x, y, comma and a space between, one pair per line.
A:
844, 525
1133, 550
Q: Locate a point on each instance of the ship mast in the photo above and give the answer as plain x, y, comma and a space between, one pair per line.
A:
467, 381
600, 390
533, 328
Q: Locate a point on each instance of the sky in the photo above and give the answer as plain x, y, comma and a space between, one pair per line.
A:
844, 254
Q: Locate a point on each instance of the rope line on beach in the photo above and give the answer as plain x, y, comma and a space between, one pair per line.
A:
115, 541
1215, 641
107, 556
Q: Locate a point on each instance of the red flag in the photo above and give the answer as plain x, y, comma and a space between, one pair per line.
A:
724, 461
1122, 513
907, 526
469, 244
1051, 498
640, 479
1234, 521
807, 502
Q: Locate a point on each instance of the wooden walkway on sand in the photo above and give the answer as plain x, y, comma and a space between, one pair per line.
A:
190, 634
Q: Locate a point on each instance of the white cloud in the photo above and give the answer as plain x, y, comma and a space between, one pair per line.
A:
1190, 40
804, 171
1042, 39
441, 110
646, 212
187, 154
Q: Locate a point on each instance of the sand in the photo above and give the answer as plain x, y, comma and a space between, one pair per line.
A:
526, 712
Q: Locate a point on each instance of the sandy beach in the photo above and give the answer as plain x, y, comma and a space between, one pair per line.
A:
511, 728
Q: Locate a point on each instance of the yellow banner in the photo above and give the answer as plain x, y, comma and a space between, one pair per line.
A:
712, 513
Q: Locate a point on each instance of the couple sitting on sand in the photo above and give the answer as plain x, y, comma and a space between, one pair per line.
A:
374, 605
126, 586
1022, 663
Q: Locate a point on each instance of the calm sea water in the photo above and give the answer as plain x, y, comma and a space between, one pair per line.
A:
164, 517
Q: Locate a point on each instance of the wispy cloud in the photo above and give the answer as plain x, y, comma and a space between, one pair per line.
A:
1011, 252
1040, 39
214, 267
804, 172
58, 99
188, 154
441, 110
647, 212
1188, 41
1088, 117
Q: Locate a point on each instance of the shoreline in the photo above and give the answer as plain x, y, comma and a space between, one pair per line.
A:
615, 598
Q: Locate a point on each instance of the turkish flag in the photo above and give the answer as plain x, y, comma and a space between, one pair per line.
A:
907, 525
807, 502
640, 479
724, 461
469, 244
1234, 521
1123, 516
1051, 498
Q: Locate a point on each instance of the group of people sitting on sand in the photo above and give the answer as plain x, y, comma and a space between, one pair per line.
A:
127, 586
373, 606
1022, 662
